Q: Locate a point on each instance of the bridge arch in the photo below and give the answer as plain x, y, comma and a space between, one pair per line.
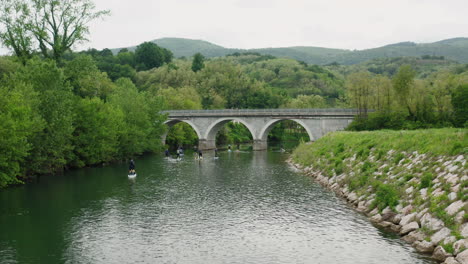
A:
269, 126
172, 122
214, 128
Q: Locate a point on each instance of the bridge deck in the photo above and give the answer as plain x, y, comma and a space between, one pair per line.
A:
262, 112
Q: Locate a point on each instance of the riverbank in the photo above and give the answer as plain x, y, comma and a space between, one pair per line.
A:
412, 182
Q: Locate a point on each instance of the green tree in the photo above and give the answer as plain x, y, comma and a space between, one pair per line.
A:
96, 134
143, 125
403, 83
460, 105
86, 79
50, 26
51, 147
198, 62
148, 55
14, 16
19, 123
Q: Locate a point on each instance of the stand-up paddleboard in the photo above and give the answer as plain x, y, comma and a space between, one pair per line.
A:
132, 176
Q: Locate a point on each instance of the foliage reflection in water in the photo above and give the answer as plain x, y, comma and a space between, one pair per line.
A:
242, 208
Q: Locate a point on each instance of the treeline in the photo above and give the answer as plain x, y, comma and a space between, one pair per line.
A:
404, 102
54, 118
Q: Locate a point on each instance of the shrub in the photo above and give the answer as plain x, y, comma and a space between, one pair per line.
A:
426, 180
386, 195
398, 157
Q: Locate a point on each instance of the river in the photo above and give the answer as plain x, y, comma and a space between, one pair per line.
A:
241, 208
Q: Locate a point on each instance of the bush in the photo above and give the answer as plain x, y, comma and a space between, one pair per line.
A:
386, 195
426, 180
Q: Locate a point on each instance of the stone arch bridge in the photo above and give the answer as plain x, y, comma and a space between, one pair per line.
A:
207, 123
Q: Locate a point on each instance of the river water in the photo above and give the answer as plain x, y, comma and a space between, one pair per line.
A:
241, 208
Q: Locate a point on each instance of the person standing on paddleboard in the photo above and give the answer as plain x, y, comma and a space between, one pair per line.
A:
131, 167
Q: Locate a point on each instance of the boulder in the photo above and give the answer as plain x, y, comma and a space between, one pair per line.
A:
408, 228
440, 235
451, 260
449, 240
431, 223
407, 219
440, 254
352, 197
459, 217
414, 236
374, 212
423, 193
462, 257
395, 228
454, 207
421, 213
388, 214
397, 219
406, 210
409, 190
460, 245
464, 230
452, 196
376, 218
424, 246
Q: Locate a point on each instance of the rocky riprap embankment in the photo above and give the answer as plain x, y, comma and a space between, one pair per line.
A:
431, 213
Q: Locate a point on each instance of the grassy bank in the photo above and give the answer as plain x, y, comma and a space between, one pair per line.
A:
420, 175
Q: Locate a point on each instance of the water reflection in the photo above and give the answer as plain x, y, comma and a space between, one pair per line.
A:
241, 208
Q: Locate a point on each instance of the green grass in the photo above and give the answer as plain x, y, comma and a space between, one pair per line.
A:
333, 151
446, 141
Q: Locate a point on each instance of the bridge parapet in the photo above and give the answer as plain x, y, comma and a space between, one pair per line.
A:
263, 112
207, 123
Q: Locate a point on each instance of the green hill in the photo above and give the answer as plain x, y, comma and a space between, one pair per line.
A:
453, 49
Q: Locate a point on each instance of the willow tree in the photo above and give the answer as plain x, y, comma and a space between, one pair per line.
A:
51, 27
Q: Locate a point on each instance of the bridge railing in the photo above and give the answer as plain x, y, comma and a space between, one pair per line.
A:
263, 111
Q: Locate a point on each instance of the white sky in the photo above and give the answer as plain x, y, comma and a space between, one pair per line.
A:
347, 24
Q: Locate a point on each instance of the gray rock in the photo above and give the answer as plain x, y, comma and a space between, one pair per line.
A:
452, 196
422, 213
424, 246
464, 230
407, 210
414, 236
459, 217
449, 240
451, 260
431, 223
395, 228
388, 214
440, 254
454, 207
376, 218
409, 190
407, 219
440, 235
408, 228
462, 257
423, 193
352, 197
397, 219
460, 245
374, 212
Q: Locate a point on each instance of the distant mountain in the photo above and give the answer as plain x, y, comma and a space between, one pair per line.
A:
453, 49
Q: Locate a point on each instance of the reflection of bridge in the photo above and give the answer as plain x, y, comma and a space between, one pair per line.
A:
207, 123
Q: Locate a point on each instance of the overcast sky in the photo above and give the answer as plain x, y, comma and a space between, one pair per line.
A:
347, 24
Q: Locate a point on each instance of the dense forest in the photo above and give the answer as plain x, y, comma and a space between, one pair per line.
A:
453, 49
62, 109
